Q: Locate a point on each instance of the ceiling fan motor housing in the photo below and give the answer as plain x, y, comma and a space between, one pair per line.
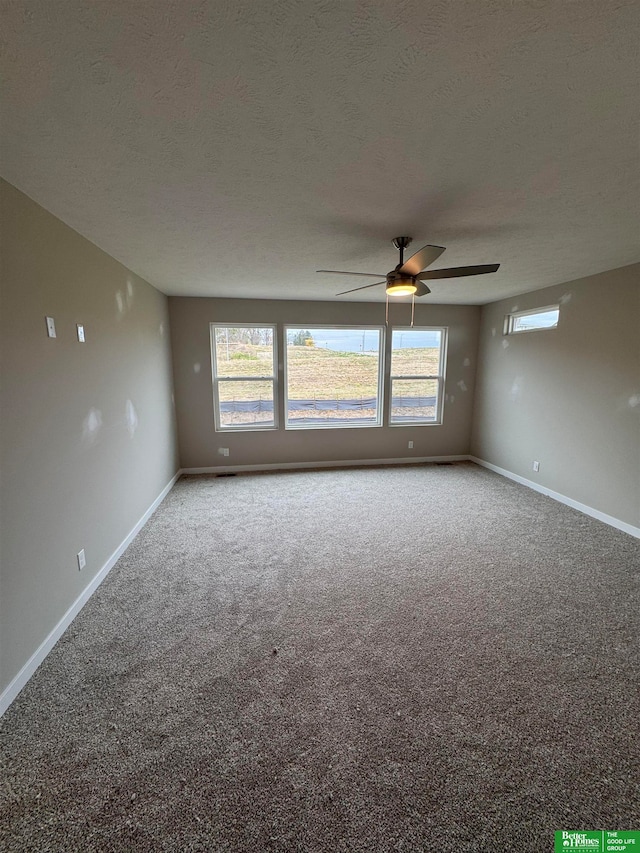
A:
397, 277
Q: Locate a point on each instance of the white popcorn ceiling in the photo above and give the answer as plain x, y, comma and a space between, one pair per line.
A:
233, 148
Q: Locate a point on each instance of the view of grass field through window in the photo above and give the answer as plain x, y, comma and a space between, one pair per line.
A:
416, 375
333, 376
244, 377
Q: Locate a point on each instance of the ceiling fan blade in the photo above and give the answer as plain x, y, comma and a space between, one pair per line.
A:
456, 272
364, 287
343, 272
423, 258
421, 289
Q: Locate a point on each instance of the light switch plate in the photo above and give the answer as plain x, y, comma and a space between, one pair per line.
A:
80, 329
51, 327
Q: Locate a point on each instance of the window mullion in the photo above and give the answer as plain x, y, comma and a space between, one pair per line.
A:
416, 376
248, 378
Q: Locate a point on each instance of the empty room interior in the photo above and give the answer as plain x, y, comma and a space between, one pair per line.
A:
320, 438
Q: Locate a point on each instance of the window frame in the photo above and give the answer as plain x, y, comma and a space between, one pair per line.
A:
257, 427
440, 377
510, 320
286, 327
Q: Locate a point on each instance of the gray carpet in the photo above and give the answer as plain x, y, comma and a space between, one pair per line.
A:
295, 662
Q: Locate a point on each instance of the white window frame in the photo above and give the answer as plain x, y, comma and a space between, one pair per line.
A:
440, 377
217, 379
380, 386
511, 319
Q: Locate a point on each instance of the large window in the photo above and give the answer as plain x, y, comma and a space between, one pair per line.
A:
334, 376
244, 376
417, 375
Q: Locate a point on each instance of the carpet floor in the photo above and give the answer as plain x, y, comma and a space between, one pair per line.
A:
421, 658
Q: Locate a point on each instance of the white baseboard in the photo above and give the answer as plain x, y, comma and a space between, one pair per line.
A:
15, 686
563, 499
341, 463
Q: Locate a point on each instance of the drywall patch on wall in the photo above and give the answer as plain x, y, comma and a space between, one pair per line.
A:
120, 303
125, 299
91, 426
132, 418
516, 389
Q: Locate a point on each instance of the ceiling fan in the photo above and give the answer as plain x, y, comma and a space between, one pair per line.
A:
408, 278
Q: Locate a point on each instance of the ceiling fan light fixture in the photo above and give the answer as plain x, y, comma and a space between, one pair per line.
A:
405, 287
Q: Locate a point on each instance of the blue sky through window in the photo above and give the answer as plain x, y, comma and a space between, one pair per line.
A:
366, 340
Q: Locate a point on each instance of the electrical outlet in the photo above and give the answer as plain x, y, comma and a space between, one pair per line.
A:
82, 560
223, 451
536, 466
410, 445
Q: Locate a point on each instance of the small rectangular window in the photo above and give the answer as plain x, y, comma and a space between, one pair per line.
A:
334, 376
417, 375
244, 377
529, 321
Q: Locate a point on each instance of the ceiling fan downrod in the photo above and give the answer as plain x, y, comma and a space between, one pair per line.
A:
401, 244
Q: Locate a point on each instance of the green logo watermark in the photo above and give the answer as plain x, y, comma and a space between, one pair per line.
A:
597, 841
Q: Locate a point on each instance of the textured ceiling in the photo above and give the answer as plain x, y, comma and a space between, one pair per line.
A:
233, 148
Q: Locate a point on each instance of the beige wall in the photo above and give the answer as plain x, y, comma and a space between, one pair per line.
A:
190, 319
567, 397
88, 439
